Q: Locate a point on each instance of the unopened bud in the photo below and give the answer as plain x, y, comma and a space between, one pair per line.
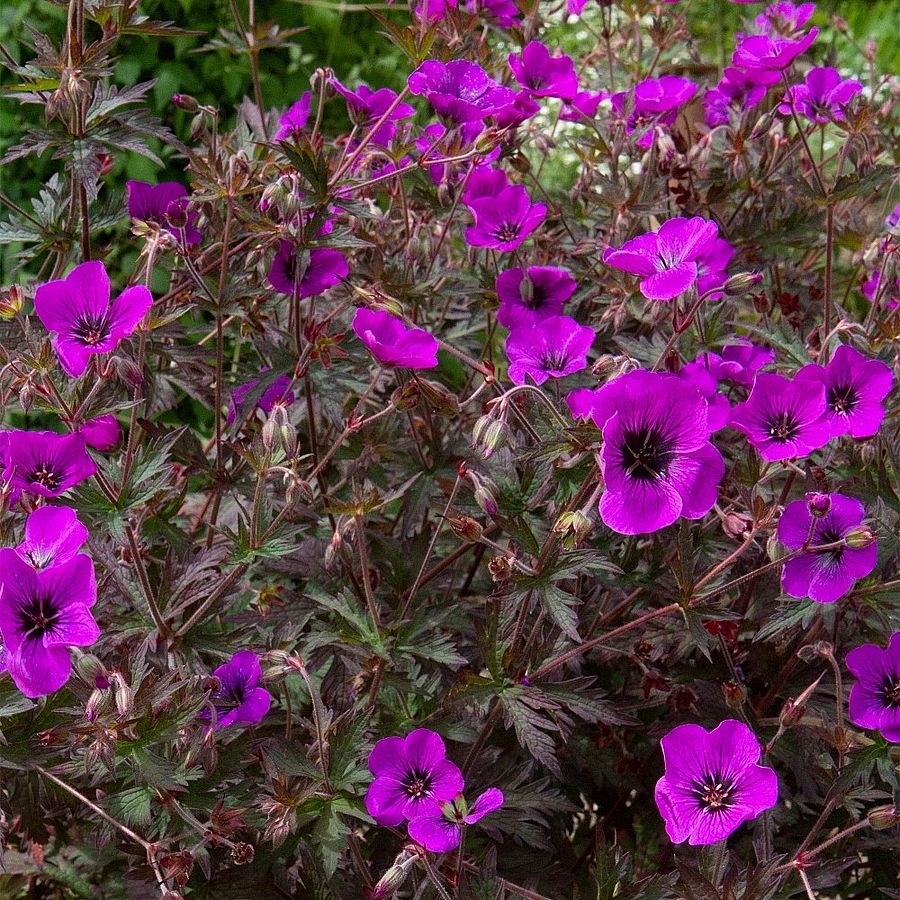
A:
129, 371
742, 283
26, 396
123, 694
442, 401
494, 437
395, 876
92, 671
270, 434
882, 817
177, 213
94, 704
819, 504
185, 102
859, 538
736, 525
465, 528
11, 301
486, 498
288, 436
735, 694
406, 396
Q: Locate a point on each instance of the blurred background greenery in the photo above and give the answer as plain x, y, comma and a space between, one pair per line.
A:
343, 36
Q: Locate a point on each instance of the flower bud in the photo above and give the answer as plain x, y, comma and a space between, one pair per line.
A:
177, 212
819, 504
129, 371
92, 671
500, 569
494, 437
185, 102
736, 525
288, 436
735, 694
26, 396
442, 401
791, 713
574, 526
742, 283
94, 704
242, 853
11, 300
859, 538
395, 876
270, 434
882, 817
486, 495
406, 396
465, 528
123, 694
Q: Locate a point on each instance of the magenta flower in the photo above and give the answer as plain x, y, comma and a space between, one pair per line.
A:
520, 110
740, 88
783, 18
783, 419
824, 575
657, 461
871, 290
504, 221
306, 273
713, 782
279, 391
875, 698
412, 777
239, 700
294, 119
366, 107
581, 404
712, 267
103, 433
654, 102
150, 203
392, 343
485, 181
543, 75
582, 106
440, 831
42, 614
742, 360
78, 310
503, 13
529, 296
822, 97
854, 390
666, 260
44, 463
760, 51
459, 90
553, 348
53, 535
433, 10
718, 409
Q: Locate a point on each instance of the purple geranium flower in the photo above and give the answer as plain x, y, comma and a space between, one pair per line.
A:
433, 10
824, 575
294, 118
783, 419
701, 378
44, 463
657, 461
760, 51
784, 18
78, 310
306, 273
459, 90
875, 698
412, 777
742, 360
150, 203
520, 110
103, 433
854, 390
503, 13
553, 348
504, 221
277, 392
42, 614
53, 535
653, 102
543, 75
822, 97
485, 181
582, 106
666, 260
529, 295
239, 700
712, 267
712, 782
738, 87
392, 343
441, 831
366, 107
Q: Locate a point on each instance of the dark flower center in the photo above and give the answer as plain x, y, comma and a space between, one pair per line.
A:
37, 617
46, 477
508, 231
891, 690
535, 82
784, 426
646, 454
418, 784
842, 399
554, 360
537, 299
91, 330
715, 793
